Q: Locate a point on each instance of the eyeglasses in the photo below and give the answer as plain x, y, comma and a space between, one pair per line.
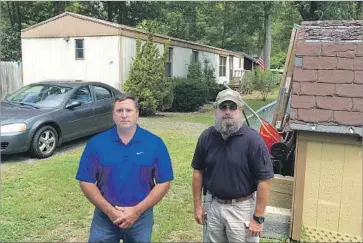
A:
231, 107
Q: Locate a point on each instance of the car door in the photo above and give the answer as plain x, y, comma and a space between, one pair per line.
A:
79, 120
104, 99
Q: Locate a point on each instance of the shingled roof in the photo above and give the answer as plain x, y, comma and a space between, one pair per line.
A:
327, 83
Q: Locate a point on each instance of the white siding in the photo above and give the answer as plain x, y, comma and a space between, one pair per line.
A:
54, 58
236, 63
214, 61
181, 60
223, 79
238, 70
129, 52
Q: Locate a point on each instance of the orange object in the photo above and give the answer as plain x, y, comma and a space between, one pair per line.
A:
269, 134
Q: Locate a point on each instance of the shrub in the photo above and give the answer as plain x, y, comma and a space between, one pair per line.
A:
187, 95
211, 81
262, 81
192, 92
195, 77
147, 80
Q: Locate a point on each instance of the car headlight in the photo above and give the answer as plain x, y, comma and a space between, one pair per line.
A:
11, 128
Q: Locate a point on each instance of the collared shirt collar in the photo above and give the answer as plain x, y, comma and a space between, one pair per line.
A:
136, 138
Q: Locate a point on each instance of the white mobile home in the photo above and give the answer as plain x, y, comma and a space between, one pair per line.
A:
77, 47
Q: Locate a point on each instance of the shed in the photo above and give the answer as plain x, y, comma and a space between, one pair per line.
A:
327, 114
74, 46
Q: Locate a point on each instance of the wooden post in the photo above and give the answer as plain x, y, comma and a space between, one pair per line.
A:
288, 65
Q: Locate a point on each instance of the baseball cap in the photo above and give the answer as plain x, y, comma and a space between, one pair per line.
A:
229, 94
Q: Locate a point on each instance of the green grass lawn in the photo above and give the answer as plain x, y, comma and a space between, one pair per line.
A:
41, 200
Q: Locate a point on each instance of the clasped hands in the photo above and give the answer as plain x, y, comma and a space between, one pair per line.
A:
124, 217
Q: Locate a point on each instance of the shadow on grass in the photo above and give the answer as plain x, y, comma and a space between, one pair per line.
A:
27, 157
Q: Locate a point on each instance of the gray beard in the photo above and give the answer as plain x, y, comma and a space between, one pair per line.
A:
228, 126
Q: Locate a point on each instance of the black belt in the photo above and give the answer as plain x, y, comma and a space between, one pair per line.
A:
240, 199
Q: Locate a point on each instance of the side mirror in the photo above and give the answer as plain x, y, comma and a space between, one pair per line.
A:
72, 104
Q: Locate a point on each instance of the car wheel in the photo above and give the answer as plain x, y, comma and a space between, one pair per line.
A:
44, 142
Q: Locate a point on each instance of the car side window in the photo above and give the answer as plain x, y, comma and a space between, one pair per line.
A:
102, 93
82, 95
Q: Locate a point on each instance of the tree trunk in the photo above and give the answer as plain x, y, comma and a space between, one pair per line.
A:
109, 11
267, 45
11, 17
59, 7
16, 8
224, 25
122, 13
358, 9
308, 10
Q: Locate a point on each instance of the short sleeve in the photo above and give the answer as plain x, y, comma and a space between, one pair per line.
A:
198, 157
261, 164
88, 164
164, 169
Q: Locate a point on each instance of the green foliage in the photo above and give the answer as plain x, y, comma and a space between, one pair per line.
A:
283, 18
195, 76
192, 92
147, 78
262, 81
10, 45
188, 95
211, 81
247, 85
168, 96
237, 26
278, 60
332, 10
198, 88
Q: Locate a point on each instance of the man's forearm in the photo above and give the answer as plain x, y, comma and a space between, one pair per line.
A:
263, 194
155, 195
94, 195
197, 186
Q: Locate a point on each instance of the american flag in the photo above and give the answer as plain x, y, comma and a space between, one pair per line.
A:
261, 63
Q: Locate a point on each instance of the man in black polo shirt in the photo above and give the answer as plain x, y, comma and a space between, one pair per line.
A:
231, 162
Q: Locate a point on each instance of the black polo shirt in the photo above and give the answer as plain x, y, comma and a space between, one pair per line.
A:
232, 167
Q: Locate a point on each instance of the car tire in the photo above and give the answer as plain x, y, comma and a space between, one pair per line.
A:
44, 142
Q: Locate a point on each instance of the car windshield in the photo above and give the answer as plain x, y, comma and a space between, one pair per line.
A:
39, 95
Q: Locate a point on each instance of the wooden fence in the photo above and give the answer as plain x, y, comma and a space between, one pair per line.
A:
11, 77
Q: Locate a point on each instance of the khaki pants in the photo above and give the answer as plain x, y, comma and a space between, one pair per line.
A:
228, 222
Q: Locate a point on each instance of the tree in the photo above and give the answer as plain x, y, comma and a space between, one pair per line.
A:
10, 45
261, 81
197, 89
284, 16
236, 26
147, 78
210, 79
195, 75
329, 10
267, 43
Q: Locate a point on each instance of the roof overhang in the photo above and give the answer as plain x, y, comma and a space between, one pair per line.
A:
248, 56
68, 24
346, 130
